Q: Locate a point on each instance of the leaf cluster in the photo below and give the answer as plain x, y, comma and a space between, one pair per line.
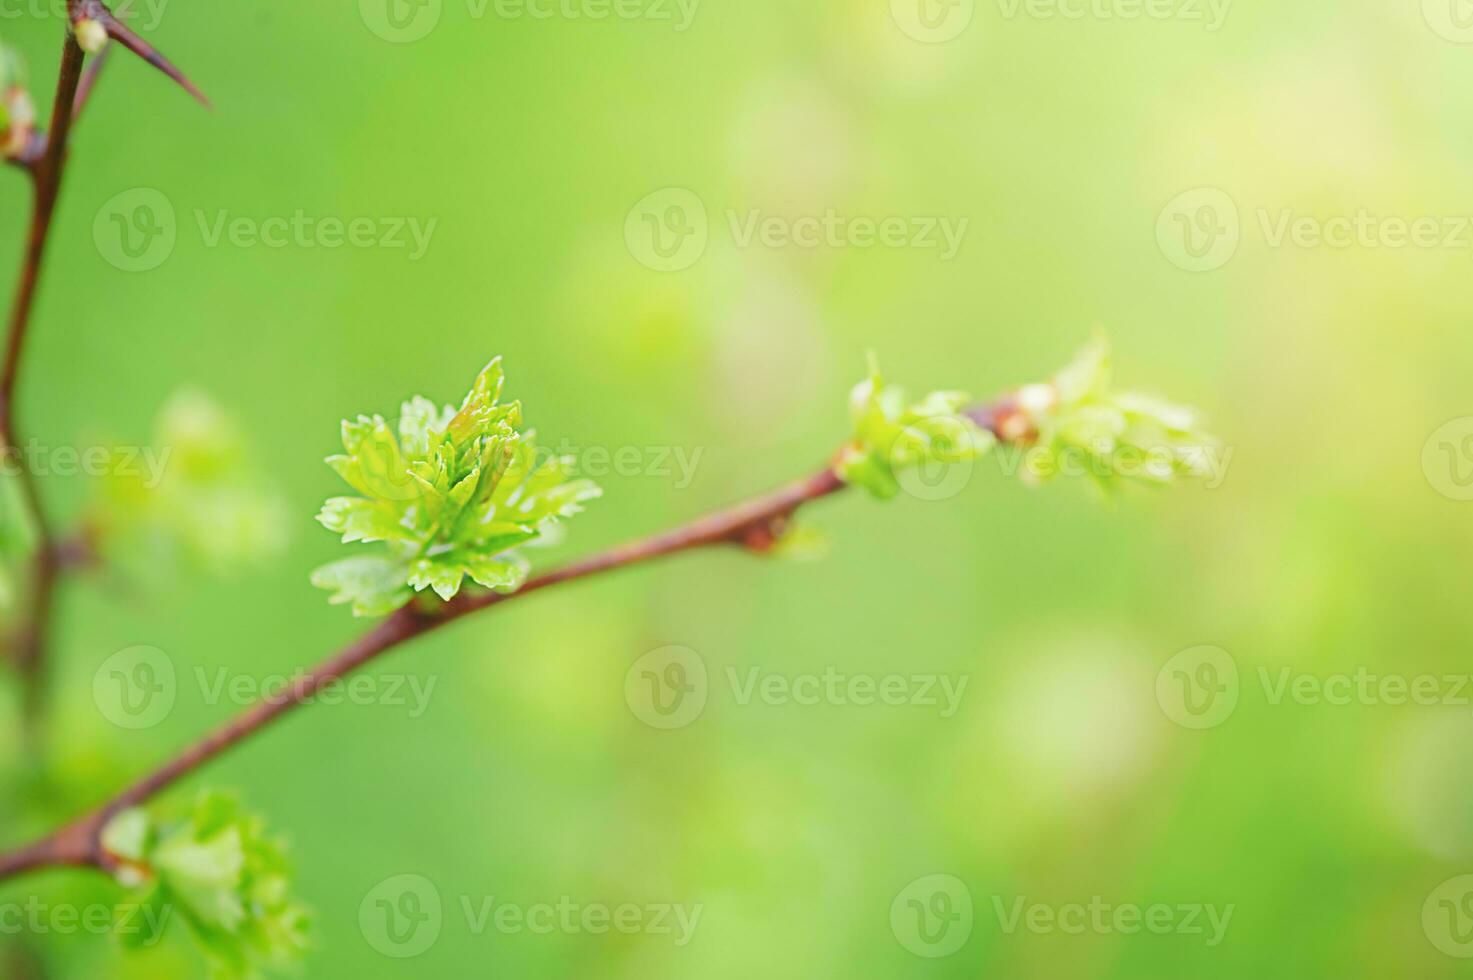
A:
220, 874
892, 434
193, 499
1115, 436
448, 495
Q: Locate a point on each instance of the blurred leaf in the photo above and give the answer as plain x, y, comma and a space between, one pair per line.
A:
192, 499
891, 435
1082, 424
218, 872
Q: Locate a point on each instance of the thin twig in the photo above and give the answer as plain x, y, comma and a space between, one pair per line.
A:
751, 525
46, 177
89, 81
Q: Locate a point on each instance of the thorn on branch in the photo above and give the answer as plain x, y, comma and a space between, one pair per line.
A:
89, 80
93, 24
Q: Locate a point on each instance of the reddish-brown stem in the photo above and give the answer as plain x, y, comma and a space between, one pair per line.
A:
79, 843
46, 173
754, 525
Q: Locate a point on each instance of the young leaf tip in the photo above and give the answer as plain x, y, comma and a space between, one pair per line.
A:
893, 435
446, 495
1078, 422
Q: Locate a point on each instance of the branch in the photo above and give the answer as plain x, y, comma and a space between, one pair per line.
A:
46, 174
754, 524
44, 159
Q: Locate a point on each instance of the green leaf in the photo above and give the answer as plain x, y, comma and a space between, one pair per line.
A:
128, 834
450, 497
204, 872
505, 573
192, 499
219, 873
891, 436
419, 420
141, 922
375, 585
373, 465
357, 519
1079, 423
444, 576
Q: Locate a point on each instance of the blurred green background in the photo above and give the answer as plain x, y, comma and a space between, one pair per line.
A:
1065, 144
